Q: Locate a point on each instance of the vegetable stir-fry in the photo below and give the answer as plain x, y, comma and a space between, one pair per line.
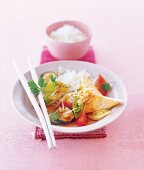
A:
72, 96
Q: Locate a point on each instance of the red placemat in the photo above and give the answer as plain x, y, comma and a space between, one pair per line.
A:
99, 133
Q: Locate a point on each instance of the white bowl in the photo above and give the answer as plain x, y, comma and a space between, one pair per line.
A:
24, 107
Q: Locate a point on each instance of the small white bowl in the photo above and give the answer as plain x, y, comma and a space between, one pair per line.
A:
24, 107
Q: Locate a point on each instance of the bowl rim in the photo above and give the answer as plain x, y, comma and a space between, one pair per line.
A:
81, 129
89, 32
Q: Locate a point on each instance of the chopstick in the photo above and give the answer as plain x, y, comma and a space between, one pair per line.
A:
42, 103
34, 103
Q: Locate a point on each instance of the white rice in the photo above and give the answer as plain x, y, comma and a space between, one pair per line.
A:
71, 77
67, 34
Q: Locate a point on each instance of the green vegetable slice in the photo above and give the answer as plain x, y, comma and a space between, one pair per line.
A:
77, 109
56, 119
106, 87
41, 82
53, 78
54, 116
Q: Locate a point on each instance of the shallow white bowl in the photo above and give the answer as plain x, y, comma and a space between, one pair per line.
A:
24, 107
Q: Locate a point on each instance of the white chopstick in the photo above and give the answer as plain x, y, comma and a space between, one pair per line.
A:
42, 103
34, 103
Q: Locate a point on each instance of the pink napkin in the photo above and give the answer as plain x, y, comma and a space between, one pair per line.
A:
99, 133
47, 57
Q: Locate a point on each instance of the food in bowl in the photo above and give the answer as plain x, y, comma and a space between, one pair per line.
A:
68, 34
74, 98
23, 106
64, 47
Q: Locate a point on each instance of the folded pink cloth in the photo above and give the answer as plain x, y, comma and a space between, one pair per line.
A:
47, 57
99, 133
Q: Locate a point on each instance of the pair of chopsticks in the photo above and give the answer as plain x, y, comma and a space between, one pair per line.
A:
41, 112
